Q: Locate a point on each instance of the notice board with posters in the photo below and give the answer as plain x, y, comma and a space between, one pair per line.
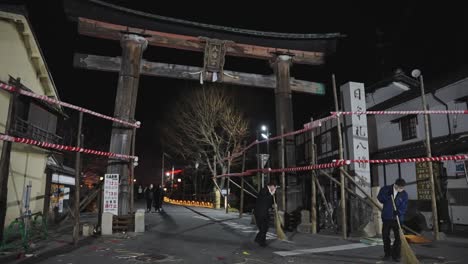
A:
423, 181
111, 194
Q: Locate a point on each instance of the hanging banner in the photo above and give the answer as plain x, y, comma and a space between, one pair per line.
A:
111, 193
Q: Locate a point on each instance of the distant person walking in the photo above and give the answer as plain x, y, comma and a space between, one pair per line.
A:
158, 198
149, 196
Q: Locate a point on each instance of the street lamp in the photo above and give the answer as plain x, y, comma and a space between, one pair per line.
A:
265, 135
435, 220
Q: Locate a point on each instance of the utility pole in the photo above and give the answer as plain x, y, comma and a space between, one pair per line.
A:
340, 153
435, 217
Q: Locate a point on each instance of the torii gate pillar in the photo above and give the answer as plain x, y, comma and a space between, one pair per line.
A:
284, 120
133, 47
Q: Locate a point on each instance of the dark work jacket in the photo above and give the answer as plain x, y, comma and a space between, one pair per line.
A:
401, 203
149, 194
263, 203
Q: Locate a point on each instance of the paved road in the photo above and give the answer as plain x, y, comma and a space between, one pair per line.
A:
199, 235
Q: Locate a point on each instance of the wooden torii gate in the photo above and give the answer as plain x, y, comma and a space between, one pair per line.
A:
134, 40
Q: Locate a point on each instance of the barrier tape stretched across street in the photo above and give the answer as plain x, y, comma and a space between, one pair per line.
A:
63, 147
54, 101
340, 163
404, 112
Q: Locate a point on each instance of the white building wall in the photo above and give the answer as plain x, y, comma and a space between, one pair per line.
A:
390, 133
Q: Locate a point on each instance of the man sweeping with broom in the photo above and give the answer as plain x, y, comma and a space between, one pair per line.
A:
263, 204
395, 201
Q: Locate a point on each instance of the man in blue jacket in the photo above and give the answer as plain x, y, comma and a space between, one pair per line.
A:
398, 194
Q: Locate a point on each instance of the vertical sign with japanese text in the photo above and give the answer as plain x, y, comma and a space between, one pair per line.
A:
111, 193
423, 180
354, 99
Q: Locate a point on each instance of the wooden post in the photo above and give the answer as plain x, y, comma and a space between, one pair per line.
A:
313, 204
125, 102
132, 173
435, 217
324, 199
226, 202
162, 170
241, 210
76, 214
340, 152
5, 160
283, 174
259, 184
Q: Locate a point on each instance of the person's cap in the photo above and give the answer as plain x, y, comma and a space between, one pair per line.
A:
400, 182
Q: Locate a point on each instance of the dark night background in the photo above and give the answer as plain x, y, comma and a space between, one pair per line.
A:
380, 38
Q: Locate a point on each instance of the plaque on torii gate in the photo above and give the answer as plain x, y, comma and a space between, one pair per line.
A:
103, 20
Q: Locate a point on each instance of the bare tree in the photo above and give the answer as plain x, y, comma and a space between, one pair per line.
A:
205, 126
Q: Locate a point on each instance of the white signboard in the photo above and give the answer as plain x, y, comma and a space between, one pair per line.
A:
66, 192
111, 193
354, 99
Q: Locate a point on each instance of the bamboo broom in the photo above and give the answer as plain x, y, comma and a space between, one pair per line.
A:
279, 230
407, 254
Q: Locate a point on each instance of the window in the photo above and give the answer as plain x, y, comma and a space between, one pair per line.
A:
408, 127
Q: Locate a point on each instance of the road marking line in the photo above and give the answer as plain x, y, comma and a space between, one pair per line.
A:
323, 249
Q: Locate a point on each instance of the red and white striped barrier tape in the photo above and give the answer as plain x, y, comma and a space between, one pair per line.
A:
53, 101
307, 127
408, 112
334, 164
340, 163
63, 147
318, 123
406, 160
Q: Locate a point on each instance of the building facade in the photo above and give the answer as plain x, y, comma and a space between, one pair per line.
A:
403, 136
22, 65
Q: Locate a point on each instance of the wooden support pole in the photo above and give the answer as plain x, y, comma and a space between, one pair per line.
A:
132, 174
435, 216
241, 210
76, 213
313, 204
237, 185
340, 153
259, 185
5, 161
283, 174
226, 201
324, 199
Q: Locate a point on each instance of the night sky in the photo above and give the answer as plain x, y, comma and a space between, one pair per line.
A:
379, 39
